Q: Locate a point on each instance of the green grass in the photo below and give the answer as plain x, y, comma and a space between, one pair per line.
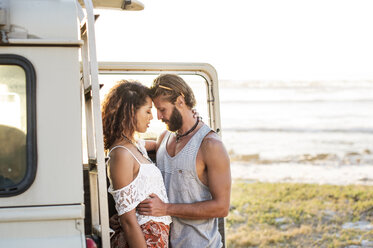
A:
298, 215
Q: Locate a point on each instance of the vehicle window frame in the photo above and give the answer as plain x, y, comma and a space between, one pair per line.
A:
31, 142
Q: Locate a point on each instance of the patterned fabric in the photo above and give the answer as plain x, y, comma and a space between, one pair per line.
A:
149, 180
155, 233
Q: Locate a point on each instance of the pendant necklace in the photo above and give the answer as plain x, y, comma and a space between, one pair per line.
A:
138, 149
179, 136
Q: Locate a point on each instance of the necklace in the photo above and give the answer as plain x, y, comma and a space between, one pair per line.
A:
179, 136
138, 149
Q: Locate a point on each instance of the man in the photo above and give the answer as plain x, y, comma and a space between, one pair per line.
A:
195, 168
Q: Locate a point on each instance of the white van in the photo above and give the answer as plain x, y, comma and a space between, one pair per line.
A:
53, 190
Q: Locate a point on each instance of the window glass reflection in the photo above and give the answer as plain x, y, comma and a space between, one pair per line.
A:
13, 125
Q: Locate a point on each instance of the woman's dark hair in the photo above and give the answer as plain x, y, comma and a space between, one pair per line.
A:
119, 108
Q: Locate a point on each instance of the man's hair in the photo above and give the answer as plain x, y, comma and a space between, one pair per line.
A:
119, 110
170, 86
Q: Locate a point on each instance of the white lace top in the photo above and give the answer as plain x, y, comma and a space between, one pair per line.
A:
149, 180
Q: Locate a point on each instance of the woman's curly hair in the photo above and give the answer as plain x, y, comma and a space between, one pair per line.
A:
119, 110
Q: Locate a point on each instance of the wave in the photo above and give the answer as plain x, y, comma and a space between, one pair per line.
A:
300, 130
353, 84
349, 158
296, 101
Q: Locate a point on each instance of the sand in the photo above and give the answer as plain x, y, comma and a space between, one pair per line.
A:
301, 173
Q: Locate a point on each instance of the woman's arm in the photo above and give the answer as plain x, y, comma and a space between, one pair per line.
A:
122, 168
132, 230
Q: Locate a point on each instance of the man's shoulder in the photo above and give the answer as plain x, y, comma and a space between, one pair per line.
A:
213, 150
211, 140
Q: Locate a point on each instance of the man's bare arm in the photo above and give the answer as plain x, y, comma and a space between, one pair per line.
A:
150, 145
216, 159
160, 139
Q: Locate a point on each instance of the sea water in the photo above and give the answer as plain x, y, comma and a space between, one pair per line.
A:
273, 125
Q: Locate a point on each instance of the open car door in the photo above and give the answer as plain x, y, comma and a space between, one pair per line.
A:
201, 77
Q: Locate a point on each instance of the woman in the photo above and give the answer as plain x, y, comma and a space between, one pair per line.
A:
133, 177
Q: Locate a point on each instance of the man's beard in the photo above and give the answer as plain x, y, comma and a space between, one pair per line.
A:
176, 120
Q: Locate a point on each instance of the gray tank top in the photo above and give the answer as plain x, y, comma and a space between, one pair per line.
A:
183, 186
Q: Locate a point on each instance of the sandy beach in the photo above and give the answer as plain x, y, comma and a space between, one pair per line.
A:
302, 173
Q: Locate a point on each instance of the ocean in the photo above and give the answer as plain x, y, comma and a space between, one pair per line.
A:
305, 122
294, 125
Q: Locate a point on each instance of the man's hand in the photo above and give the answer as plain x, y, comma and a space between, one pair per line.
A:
152, 206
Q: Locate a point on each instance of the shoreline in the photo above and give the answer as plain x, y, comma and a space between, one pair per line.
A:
301, 173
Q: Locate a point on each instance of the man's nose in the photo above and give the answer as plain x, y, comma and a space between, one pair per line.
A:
159, 115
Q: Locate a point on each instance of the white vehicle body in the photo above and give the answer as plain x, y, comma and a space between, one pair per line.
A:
51, 40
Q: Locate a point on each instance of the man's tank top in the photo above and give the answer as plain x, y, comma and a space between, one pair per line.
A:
183, 186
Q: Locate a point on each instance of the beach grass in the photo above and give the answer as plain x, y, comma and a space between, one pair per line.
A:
299, 215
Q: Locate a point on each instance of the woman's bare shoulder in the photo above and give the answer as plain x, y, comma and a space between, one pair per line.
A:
121, 167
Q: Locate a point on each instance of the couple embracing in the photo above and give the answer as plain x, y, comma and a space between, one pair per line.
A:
175, 202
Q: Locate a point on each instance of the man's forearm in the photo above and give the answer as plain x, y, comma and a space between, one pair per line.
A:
198, 210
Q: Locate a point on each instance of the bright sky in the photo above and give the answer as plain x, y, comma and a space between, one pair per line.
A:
247, 39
